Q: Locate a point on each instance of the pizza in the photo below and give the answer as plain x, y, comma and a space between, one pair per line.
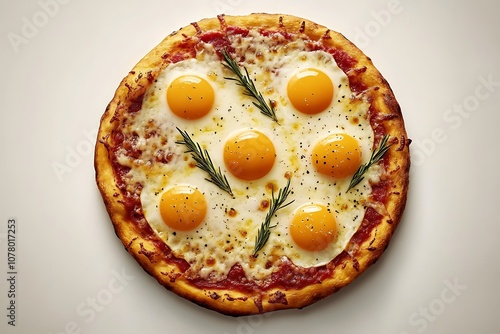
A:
254, 163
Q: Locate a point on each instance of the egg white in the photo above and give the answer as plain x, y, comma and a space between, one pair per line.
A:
223, 240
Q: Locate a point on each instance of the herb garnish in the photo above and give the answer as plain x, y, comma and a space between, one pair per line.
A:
376, 156
277, 203
250, 90
204, 162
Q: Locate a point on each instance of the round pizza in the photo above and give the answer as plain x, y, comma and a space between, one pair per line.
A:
254, 163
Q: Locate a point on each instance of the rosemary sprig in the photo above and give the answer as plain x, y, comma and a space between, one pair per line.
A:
245, 81
204, 162
277, 203
376, 156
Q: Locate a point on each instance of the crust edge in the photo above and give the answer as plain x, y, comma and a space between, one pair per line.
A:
231, 302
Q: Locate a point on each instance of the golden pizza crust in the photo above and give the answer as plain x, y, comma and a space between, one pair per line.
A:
145, 249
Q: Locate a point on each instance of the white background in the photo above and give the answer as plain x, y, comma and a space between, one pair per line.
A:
60, 65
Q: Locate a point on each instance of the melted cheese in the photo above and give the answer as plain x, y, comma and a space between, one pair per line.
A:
228, 234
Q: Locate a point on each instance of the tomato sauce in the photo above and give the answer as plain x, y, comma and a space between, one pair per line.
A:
287, 275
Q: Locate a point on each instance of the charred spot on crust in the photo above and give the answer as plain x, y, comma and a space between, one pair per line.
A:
214, 295
355, 264
258, 303
278, 297
231, 298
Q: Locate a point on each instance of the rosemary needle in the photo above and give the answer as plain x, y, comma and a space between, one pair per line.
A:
204, 162
376, 156
277, 203
245, 81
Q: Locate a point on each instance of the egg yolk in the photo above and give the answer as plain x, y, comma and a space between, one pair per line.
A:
183, 208
249, 155
313, 227
338, 155
190, 97
310, 91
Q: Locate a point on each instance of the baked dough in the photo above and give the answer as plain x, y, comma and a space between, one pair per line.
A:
363, 250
